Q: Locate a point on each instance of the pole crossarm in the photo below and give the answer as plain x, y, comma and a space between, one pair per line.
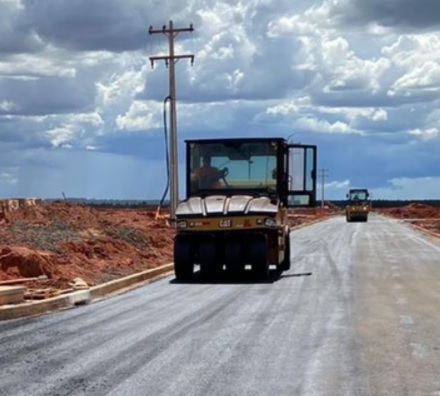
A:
173, 30
167, 58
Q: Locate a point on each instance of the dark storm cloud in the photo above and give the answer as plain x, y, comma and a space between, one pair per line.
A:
51, 95
371, 160
18, 137
139, 146
14, 130
87, 25
404, 14
16, 34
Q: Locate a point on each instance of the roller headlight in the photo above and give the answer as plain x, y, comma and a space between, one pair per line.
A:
182, 224
270, 222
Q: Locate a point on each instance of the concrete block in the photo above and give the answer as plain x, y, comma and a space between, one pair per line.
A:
11, 294
79, 297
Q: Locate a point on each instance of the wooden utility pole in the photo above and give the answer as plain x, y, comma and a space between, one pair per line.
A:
323, 175
170, 62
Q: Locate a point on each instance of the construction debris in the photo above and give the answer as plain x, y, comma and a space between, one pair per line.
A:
78, 284
41, 278
40, 294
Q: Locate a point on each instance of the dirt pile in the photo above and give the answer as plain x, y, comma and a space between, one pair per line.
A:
413, 211
24, 262
422, 215
64, 241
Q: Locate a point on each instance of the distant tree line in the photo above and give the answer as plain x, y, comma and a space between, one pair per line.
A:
382, 203
150, 205
114, 203
153, 204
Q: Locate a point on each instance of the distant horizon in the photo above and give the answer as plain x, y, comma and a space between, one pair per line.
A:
167, 202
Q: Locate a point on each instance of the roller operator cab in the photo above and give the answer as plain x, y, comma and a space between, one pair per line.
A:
235, 214
358, 205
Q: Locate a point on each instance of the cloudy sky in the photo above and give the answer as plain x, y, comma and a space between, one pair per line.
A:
81, 109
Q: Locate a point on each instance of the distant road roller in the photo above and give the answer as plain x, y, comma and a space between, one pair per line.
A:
235, 214
358, 205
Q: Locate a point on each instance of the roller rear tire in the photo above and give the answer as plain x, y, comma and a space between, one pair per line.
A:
183, 264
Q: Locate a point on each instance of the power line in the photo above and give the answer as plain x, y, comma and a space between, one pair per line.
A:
170, 61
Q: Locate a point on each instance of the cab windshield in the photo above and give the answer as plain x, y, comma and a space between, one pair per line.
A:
230, 165
358, 196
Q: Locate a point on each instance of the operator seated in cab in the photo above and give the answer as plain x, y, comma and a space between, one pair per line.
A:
207, 176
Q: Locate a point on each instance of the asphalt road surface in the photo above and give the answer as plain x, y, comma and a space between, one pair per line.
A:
358, 314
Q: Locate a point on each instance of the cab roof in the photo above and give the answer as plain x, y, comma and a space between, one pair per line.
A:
238, 140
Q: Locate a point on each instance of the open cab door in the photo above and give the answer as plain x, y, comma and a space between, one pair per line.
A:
302, 172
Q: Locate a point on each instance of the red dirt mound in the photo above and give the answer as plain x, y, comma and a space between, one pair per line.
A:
425, 216
413, 211
24, 263
64, 241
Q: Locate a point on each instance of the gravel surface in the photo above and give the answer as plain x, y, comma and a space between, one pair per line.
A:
41, 237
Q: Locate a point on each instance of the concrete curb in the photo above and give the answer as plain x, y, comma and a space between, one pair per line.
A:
123, 284
81, 297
